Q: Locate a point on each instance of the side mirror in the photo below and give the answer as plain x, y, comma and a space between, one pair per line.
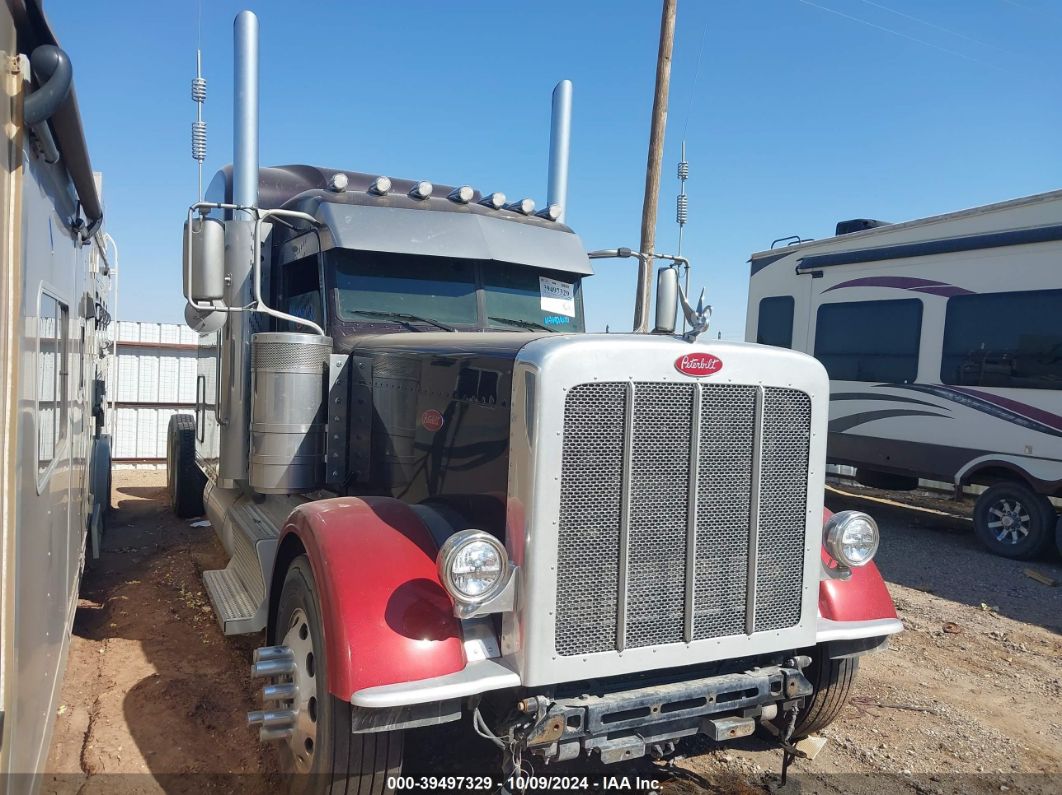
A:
666, 300
204, 260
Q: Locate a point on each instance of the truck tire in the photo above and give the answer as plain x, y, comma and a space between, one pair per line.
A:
323, 755
832, 680
184, 479
1014, 521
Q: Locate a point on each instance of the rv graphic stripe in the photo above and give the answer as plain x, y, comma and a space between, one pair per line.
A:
852, 420
1002, 408
905, 283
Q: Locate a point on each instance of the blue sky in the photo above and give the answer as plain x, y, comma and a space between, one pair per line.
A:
801, 114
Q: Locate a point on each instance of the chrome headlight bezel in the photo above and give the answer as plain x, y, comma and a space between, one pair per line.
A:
445, 559
833, 537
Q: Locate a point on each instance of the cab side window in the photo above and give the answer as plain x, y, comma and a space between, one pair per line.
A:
302, 291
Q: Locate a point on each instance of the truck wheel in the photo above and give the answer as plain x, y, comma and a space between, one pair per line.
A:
832, 680
1014, 521
184, 479
322, 752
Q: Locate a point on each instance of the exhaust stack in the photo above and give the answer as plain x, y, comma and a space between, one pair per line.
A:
245, 110
235, 383
560, 134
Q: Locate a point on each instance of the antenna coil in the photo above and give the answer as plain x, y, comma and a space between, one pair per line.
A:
682, 209
199, 140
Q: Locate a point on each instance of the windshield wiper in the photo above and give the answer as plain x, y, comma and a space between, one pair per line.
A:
405, 316
528, 324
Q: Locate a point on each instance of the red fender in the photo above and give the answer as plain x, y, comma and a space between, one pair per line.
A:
862, 597
387, 618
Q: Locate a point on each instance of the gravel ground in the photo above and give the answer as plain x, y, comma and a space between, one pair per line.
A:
968, 699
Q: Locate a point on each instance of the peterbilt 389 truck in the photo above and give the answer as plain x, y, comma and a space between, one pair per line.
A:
444, 500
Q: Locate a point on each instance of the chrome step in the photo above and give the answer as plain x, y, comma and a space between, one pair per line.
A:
238, 592
237, 609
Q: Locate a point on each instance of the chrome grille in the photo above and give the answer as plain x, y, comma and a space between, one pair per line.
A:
662, 540
590, 505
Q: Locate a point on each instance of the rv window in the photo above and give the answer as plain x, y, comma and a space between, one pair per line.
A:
52, 376
870, 340
775, 324
1004, 340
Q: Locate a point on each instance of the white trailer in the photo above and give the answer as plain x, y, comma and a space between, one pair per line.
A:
942, 337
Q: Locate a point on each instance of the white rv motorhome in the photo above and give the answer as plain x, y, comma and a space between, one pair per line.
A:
54, 451
943, 341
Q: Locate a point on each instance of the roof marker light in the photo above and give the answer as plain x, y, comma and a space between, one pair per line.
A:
338, 183
421, 190
552, 213
380, 186
524, 206
493, 200
462, 195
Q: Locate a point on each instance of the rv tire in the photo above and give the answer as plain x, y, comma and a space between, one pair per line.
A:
1014, 521
335, 760
184, 479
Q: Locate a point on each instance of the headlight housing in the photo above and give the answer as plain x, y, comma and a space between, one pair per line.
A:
851, 538
473, 567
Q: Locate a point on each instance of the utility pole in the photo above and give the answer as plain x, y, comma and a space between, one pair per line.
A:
652, 167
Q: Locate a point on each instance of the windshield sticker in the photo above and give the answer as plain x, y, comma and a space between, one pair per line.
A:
557, 297
557, 320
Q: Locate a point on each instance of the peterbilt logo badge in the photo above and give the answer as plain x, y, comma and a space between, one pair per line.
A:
698, 364
432, 420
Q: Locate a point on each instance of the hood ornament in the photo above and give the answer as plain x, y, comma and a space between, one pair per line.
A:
698, 318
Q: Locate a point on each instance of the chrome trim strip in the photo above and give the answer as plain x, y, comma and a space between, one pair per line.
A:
754, 513
691, 512
475, 677
826, 629
625, 520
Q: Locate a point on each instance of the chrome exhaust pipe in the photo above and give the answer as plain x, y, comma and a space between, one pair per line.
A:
560, 134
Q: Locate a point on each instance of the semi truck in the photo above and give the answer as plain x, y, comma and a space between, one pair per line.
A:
444, 500
942, 340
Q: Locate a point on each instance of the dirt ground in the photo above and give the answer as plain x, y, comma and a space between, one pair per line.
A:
967, 699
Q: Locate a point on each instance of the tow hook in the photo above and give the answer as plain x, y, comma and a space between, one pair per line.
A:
276, 722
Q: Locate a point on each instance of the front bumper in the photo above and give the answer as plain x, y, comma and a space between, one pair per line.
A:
625, 725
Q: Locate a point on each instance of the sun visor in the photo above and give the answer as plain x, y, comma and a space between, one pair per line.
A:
452, 234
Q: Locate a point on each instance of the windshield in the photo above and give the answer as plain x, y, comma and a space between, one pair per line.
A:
369, 284
532, 297
429, 291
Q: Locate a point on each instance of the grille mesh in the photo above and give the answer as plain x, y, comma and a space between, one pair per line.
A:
660, 461
723, 490
783, 506
588, 554
589, 527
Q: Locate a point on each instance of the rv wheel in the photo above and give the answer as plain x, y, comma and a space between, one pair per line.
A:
321, 755
184, 479
1014, 521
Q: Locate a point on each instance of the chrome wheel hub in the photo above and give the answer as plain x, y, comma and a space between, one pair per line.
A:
291, 696
1009, 521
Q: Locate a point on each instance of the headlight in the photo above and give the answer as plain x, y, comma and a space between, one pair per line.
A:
851, 538
473, 566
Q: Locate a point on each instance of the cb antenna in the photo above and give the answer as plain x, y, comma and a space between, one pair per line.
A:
199, 132
682, 205
682, 212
